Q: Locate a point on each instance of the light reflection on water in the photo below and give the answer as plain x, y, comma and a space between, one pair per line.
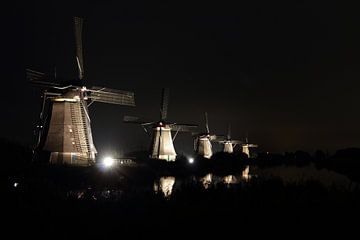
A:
206, 180
246, 174
89, 194
165, 185
230, 179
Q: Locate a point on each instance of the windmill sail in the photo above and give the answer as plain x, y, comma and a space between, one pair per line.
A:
40, 79
78, 24
164, 104
229, 132
207, 123
112, 96
179, 127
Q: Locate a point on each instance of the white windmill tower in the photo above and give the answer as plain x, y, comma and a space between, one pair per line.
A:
202, 142
64, 129
247, 146
229, 144
162, 146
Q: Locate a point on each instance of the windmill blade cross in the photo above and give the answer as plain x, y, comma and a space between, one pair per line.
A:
78, 24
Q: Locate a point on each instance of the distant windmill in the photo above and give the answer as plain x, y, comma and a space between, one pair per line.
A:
64, 126
246, 147
229, 144
162, 146
202, 142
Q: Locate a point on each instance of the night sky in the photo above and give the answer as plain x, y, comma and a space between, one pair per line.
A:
286, 74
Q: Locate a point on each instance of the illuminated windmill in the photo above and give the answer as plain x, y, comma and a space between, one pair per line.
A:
229, 144
162, 146
246, 147
64, 128
202, 142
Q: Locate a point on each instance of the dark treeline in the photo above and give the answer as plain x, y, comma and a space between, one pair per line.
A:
18, 159
345, 161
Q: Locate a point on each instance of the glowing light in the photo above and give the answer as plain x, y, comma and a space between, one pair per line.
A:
191, 160
108, 162
16, 184
64, 99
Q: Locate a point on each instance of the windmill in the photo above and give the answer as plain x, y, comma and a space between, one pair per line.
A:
162, 144
246, 147
202, 141
64, 128
229, 144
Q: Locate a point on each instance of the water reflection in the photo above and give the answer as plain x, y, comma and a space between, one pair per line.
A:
90, 194
230, 179
206, 180
165, 185
246, 174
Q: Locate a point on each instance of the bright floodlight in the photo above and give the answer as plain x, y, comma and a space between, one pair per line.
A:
108, 162
191, 160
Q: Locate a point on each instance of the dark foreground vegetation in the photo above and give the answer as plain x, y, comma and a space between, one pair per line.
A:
65, 202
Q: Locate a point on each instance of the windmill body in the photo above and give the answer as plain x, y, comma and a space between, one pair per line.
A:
228, 147
65, 127
162, 146
204, 147
69, 139
162, 141
246, 147
229, 144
